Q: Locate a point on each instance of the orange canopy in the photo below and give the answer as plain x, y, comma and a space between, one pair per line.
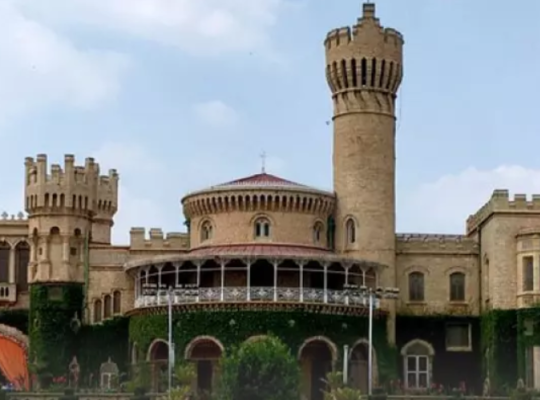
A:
13, 363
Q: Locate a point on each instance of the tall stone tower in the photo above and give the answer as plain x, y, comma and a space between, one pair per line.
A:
67, 208
364, 71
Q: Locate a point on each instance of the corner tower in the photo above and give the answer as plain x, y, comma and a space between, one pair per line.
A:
64, 207
67, 208
364, 71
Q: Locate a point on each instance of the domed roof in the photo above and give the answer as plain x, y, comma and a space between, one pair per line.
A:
262, 180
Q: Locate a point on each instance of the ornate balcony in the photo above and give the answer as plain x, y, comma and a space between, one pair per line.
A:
154, 297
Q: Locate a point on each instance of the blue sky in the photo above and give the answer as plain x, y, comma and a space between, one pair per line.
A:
180, 94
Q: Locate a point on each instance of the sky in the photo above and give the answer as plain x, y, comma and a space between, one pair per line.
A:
181, 94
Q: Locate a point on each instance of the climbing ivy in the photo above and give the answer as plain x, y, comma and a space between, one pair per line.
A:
500, 347
54, 321
98, 343
293, 327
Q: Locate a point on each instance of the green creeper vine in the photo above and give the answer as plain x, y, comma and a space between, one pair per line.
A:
293, 327
500, 347
54, 310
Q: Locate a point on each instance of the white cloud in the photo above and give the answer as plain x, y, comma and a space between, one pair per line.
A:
444, 205
38, 66
216, 114
199, 27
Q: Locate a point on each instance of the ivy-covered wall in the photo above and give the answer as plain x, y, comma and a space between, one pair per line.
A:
54, 311
500, 348
293, 327
98, 343
449, 368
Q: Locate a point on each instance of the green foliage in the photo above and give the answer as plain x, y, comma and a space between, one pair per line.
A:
96, 343
141, 379
293, 327
262, 369
52, 332
184, 375
499, 347
337, 390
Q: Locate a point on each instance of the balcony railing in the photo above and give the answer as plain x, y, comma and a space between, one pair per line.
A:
252, 294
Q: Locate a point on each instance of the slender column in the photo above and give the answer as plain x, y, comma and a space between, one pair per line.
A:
276, 263
198, 298
346, 283
301, 266
248, 283
222, 281
159, 285
11, 270
177, 276
325, 291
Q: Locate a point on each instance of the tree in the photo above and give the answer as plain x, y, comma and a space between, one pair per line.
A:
262, 369
337, 390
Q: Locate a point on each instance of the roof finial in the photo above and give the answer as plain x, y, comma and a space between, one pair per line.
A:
263, 162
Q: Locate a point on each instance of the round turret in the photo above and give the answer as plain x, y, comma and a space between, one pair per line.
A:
65, 207
260, 209
367, 57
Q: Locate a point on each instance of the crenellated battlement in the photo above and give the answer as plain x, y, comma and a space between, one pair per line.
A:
435, 244
501, 202
366, 57
157, 240
79, 188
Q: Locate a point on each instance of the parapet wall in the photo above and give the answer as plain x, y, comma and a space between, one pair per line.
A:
79, 188
435, 244
501, 202
157, 240
367, 27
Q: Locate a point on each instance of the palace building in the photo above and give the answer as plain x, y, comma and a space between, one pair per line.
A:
264, 255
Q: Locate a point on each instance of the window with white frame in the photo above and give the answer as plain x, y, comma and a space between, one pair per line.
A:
458, 336
417, 366
262, 228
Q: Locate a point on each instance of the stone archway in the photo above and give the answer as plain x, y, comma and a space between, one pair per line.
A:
317, 357
358, 365
205, 352
14, 357
158, 356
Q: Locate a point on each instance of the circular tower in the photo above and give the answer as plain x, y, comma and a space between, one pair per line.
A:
364, 71
65, 207
364, 68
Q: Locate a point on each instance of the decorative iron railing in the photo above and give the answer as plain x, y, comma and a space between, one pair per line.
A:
242, 294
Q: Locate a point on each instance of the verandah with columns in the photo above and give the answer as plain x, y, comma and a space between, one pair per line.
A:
260, 279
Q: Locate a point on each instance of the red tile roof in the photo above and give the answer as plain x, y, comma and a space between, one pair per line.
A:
261, 180
264, 250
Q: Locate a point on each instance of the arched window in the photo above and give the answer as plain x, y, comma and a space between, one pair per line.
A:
5, 249
370, 278
528, 273
318, 232
262, 228
107, 303
457, 286
97, 311
416, 286
350, 228
206, 231
22, 258
117, 302
417, 360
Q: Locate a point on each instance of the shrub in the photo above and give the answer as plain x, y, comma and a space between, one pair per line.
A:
263, 369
